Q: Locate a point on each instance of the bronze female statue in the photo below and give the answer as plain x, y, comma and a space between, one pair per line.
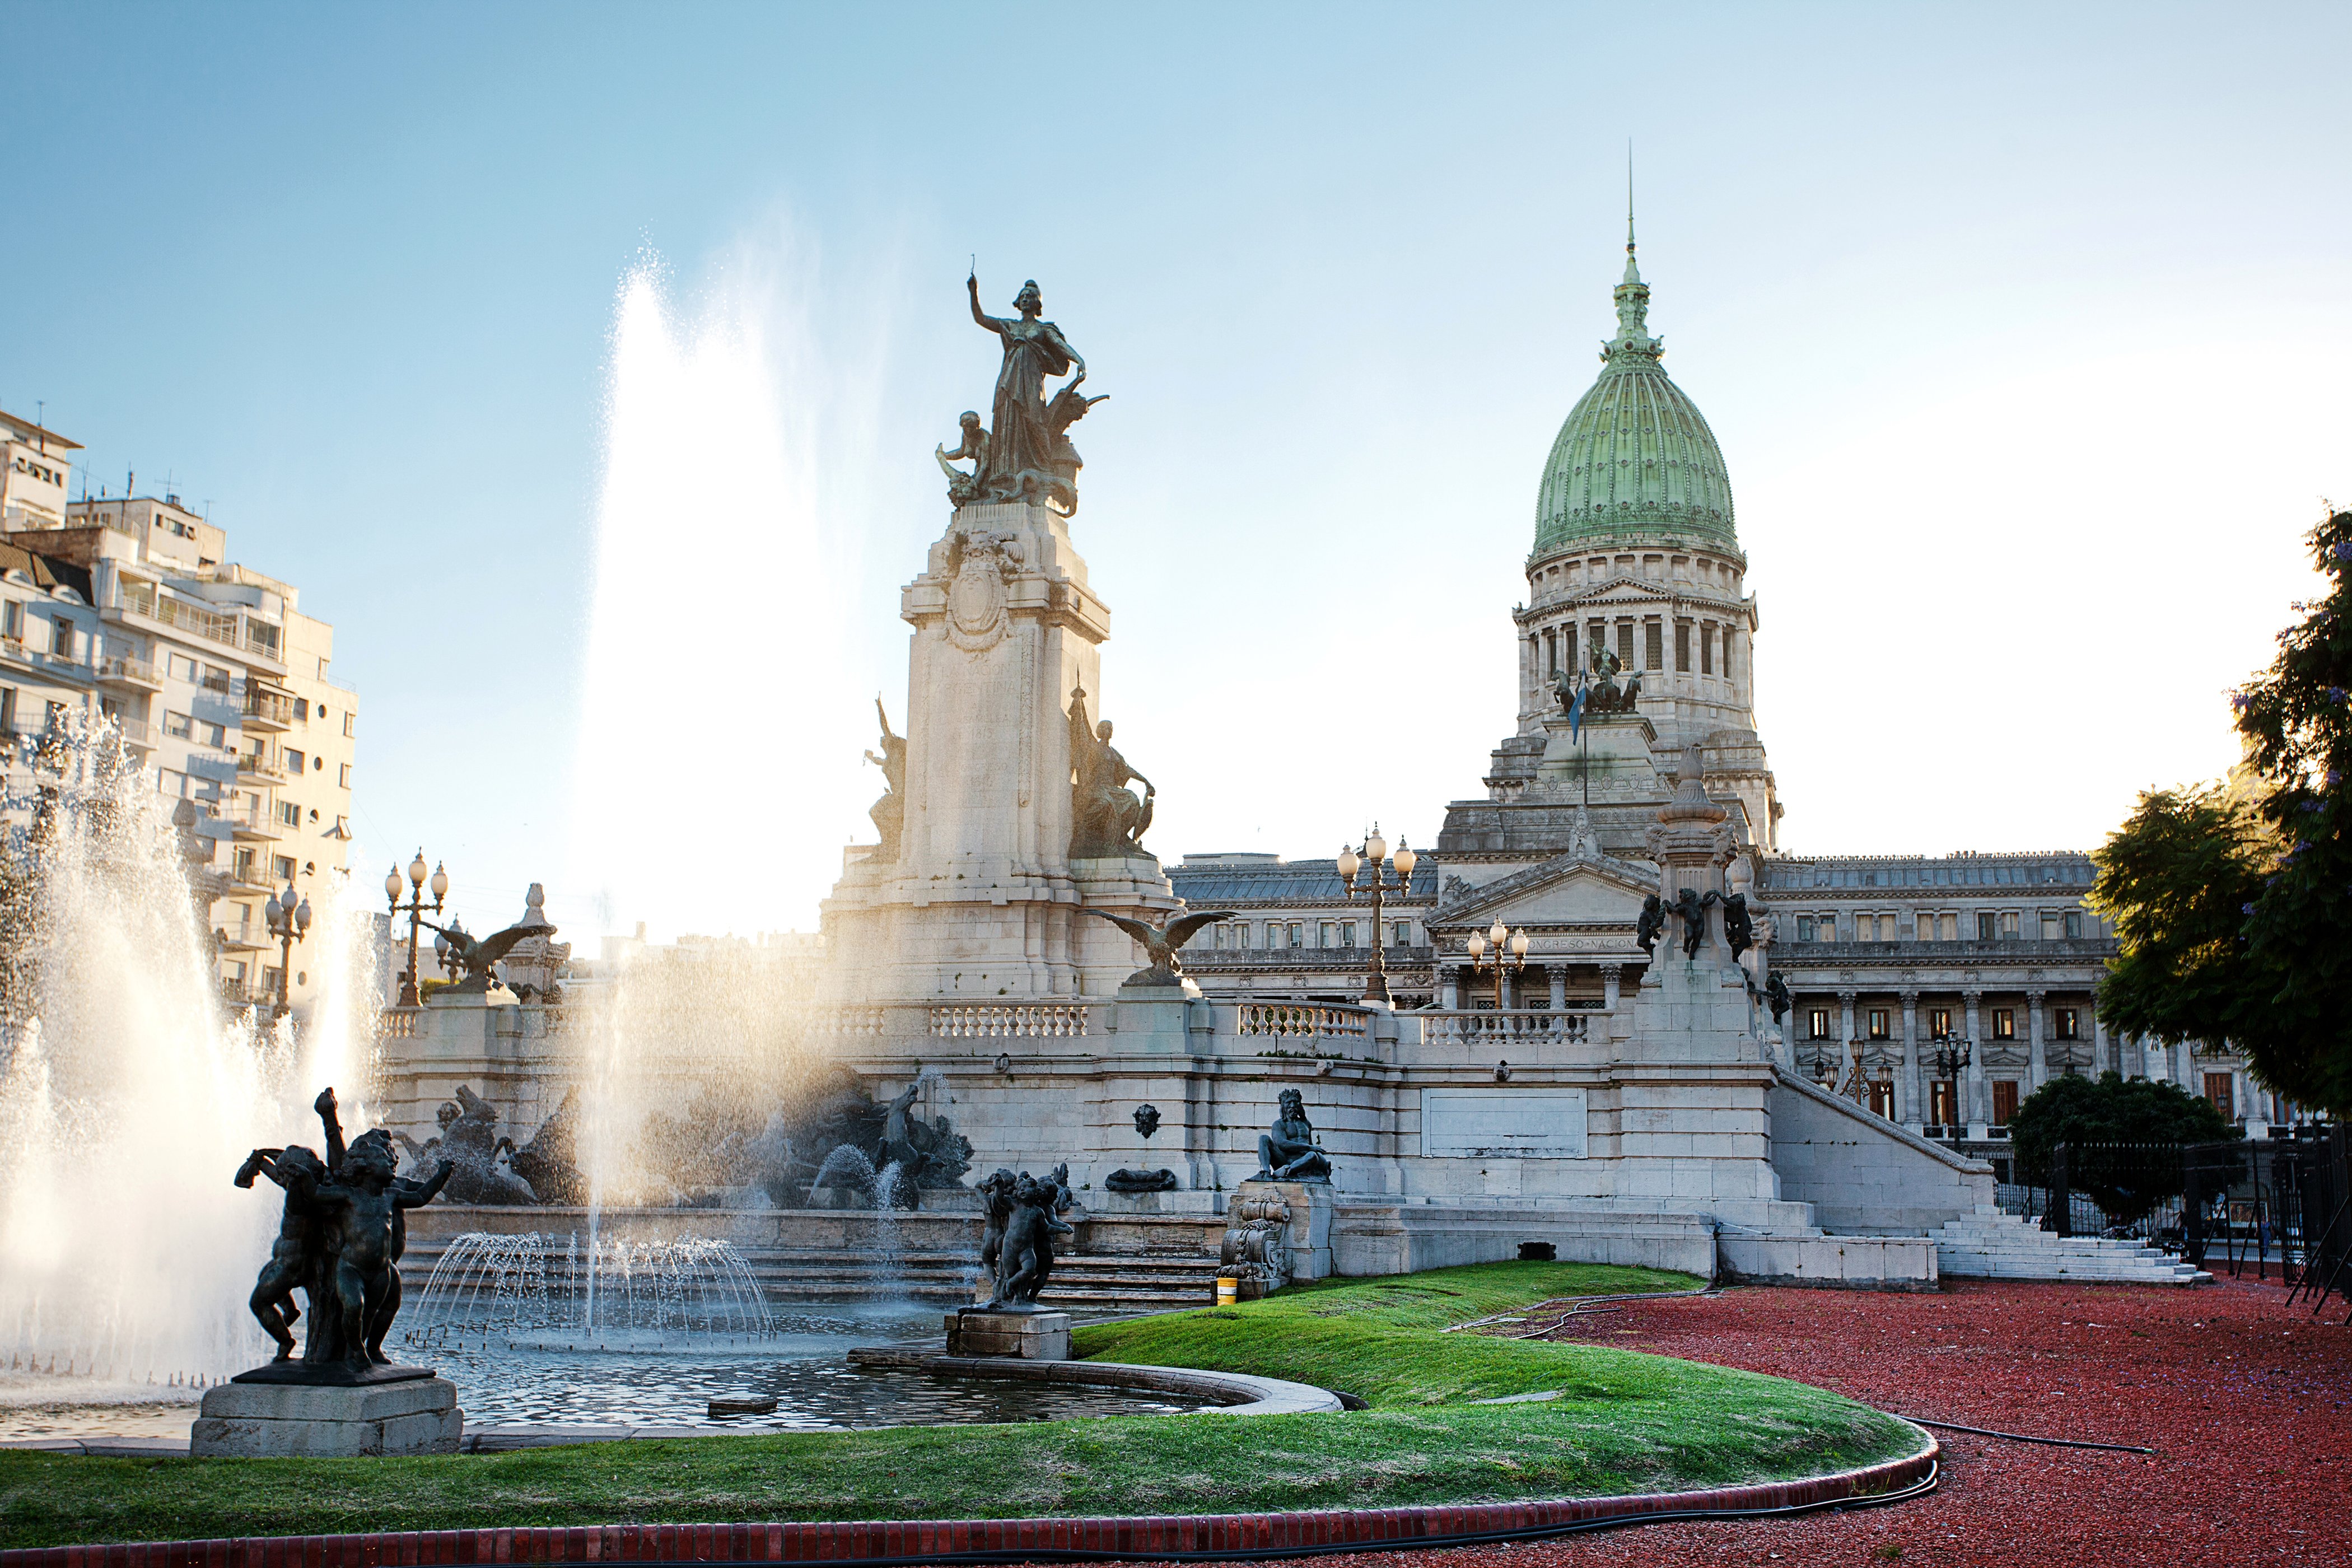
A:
1021, 452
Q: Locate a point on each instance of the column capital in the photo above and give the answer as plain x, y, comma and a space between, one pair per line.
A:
2034, 999
1971, 997
1910, 999
1846, 997
1612, 970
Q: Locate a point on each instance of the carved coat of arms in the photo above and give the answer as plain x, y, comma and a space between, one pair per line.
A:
982, 563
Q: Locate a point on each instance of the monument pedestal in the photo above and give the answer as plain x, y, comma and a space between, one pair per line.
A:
280, 1420
1308, 1237
1032, 1336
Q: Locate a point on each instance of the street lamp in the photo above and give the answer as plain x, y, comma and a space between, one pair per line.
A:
1495, 939
1374, 854
414, 910
290, 923
1950, 1057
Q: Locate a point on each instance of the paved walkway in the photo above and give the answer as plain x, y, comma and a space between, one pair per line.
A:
2247, 1399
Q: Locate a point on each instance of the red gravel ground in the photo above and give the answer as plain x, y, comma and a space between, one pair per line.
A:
2247, 1399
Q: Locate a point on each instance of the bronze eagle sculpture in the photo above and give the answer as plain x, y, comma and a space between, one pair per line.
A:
1161, 942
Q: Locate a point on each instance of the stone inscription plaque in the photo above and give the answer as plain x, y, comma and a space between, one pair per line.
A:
1503, 1124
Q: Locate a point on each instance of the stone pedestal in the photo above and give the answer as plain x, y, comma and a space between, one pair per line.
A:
276, 1420
1032, 1336
1308, 1238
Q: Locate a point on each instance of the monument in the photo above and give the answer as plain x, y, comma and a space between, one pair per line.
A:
339, 1242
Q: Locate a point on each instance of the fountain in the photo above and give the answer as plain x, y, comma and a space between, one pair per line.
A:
543, 1293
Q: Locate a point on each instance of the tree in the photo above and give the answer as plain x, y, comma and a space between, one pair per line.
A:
2089, 1116
2232, 903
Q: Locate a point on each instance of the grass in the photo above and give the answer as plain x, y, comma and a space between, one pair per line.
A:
1624, 1422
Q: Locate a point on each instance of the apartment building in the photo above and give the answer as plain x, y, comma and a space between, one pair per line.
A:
221, 685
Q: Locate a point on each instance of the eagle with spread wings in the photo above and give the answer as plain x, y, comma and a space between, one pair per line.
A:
1160, 942
475, 957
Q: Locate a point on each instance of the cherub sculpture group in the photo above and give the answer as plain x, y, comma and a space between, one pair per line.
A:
1016, 1247
340, 1243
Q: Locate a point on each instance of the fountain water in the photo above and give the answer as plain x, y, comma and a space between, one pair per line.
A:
128, 1093
546, 1292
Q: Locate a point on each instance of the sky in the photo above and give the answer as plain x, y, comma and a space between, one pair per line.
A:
577, 361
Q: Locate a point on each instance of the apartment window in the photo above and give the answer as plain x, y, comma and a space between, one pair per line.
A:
180, 666
171, 782
344, 775
177, 726
349, 718
241, 860
216, 678
234, 971
1682, 647
61, 637
2004, 1100
1940, 1109
2218, 1088
282, 866
2066, 1023
2004, 1024
289, 814
1817, 1024
302, 710
12, 621
1347, 933
1939, 1020
7, 710
1987, 924
214, 736
295, 760
1654, 646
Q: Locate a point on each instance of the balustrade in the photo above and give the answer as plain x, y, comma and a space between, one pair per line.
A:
1009, 1020
1303, 1020
1536, 1025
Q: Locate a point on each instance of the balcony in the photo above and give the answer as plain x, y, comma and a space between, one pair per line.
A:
267, 710
253, 827
241, 939
127, 674
250, 877
256, 768
1790, 955
137, 733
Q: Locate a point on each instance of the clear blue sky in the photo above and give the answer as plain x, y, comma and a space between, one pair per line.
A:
2024, 330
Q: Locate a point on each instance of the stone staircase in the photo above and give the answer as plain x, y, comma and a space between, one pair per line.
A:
1992, 1244
1092, 1285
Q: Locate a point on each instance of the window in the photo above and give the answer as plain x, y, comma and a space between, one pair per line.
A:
1400, 935
2066, 1024
289, 814
302, 710
1947, 928
171, 782
2004, 1024
2004, 1100
1986, 922
1826, 923
1706, 647
1297, 934
1682, 647
2009, 925
177, 726
1878, 1023
1654, 646
241, 860
1626, 644
61, 637
2052, 925
1326, 935
180, 666
234, 971
2074, 924
1805, 927
2217, 1091
1940, 1102
344, 775
216, 678
1925, 926
8, 710
12, 621
1939, 1020
1347, 933
282, 867
214, 736
1217, 937
1817, 1024
294, 759
1882, 1099
348, 718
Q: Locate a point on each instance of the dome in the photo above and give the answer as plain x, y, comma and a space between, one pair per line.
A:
1635, 457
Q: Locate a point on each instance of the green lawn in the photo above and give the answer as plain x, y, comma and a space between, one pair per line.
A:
1624, 1422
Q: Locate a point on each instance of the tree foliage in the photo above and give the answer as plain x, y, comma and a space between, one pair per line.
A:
2088, 1114
2234, 904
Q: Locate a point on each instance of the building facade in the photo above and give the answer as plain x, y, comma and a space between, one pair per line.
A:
1637, 590
219, 685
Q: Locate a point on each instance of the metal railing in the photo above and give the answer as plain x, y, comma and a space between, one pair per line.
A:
1302, 1020
1470, 1026
253, 765
269, 707
137, 671
1012, 1020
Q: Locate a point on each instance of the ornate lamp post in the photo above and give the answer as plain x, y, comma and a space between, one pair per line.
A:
1495, 939
1374, 854
290, 923
1951, 1058
414, 910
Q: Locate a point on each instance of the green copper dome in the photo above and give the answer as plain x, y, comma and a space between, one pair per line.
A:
1634, 456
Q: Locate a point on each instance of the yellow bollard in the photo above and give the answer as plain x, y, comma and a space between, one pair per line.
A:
1228, 1292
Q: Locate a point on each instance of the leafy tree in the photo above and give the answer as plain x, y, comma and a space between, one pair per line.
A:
2088, 1114
2232, 903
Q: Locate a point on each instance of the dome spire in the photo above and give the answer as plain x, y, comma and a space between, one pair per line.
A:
1632, 275
1633, 344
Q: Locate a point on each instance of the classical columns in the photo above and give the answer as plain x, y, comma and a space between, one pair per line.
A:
2037, 1068
1448, 996
1558, 975
1906, 1082
1846, 1026
1972, 1110
1610, 975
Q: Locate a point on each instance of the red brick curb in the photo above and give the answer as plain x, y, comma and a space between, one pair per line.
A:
1237, 1535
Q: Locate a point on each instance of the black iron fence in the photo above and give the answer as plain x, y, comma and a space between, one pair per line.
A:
2281, 1202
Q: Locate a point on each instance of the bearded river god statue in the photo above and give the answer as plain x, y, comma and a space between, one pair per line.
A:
1106, 816
1026, 454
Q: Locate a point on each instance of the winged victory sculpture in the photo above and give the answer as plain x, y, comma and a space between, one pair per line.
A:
476, 958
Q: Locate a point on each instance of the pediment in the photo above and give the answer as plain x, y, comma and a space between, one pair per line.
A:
1565, 891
